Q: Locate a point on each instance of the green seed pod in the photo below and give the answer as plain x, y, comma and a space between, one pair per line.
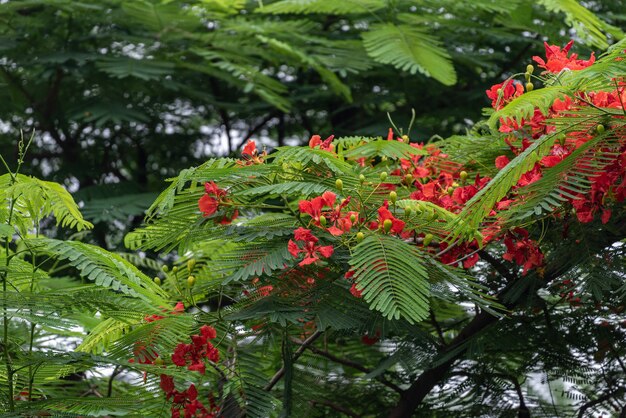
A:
191, 264
529, 86
383, 176
387, 224
393, 196
157, 281
463, 175
323, 221
530, 68
339, 184
361, 178
191, 281
600, 128
428, 238
165, 269
360, 236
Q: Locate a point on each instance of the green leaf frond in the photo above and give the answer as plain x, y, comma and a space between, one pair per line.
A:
392, 278
409, 48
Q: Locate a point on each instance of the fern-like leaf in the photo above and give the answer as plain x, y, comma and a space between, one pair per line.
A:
390, 274
411, 49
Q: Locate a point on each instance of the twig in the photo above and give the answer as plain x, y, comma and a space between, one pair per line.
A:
280, 373
354, 365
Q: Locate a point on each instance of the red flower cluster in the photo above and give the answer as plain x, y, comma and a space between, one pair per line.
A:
339, 222
251, 154
612, 182
210, 202
195, 353
310, 249
325, 145
558, 60
187, 400
522, 250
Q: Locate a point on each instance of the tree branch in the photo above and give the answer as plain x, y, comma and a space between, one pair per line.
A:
353, 365
411, 398
590, 404
280, 373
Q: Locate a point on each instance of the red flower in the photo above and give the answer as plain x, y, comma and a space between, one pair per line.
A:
208, 205
193, 355
501, 94
310, 249
384, 214
326, 145
355, 292
249, 149
522, 250
558, 60
367, 340
502, 162
210, 201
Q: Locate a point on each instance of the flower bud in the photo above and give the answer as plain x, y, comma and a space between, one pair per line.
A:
323, 221
393, 196
450, 191
191, 264
529, 86
165, 269
361, 178
527, 76
157, 281
353, 218
339, 184
463, 176
158, 361
174, 269
405, 138
530, 68
191, 281
408, 211
409, 179
360, 236
561, 139
600, 128
383, 176
499, 91
428, 238
387, 224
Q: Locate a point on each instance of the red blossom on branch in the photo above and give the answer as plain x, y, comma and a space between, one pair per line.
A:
558, 59
310, 249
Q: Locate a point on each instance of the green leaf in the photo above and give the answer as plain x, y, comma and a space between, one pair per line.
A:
411, 49
391, 276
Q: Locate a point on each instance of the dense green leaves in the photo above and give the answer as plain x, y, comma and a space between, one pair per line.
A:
391, 276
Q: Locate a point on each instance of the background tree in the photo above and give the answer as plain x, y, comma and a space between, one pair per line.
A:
121, 94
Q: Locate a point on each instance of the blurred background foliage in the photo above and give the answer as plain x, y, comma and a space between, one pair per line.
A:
123, 94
